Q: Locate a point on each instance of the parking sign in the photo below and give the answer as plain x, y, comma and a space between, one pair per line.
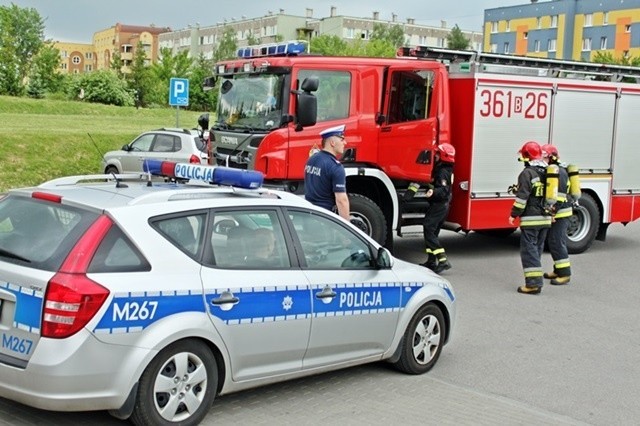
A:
179, 92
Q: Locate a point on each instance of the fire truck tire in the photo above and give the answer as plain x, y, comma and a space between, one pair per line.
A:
583, 225
366, 215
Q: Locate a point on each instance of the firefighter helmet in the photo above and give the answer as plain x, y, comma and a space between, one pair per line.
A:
447, 153
530, 151
550, 151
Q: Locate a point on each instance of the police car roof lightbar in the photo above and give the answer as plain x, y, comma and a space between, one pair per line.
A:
292, 47
211, 174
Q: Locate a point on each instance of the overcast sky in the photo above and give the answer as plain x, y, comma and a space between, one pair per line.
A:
77, 20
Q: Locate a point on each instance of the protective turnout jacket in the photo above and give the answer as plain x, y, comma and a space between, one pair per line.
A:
442, 181
564, 205
529, 203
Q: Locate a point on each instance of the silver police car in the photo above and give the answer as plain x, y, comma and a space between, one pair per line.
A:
149, 298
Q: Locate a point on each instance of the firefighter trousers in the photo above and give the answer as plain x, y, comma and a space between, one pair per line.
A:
557, 240
433, 220
531, 248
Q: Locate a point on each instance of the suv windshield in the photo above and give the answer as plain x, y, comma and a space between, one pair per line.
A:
250, 102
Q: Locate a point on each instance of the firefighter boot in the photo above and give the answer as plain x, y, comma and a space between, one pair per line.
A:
430, 263
443, 265
529, 290
550, 275
560, 280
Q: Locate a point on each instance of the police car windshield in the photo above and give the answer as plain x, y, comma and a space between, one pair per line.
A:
250, 102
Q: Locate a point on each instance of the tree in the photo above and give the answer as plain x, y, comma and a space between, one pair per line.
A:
199, 99
392, 34
101, 86
21, 38
167, 67
227, 47
44, 73
116, 64
601, 57
328, 45
140, 77
456, 39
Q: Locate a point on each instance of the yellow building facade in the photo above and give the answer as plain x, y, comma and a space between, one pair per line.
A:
564, 29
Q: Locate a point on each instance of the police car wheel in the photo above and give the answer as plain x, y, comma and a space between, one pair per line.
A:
423, 340
178, 386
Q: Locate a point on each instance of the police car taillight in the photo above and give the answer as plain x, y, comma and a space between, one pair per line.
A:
72, 299
248, 179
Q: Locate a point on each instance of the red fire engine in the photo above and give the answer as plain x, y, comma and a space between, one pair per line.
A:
274, 102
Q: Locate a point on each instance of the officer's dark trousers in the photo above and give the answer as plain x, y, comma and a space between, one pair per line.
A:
433, 220
557, 240
531, 247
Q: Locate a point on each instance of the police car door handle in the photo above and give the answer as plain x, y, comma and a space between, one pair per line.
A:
326, 293
224, 299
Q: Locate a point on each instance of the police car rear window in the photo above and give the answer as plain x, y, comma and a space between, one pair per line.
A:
39, 233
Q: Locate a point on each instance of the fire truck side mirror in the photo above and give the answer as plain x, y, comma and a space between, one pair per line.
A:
307, 103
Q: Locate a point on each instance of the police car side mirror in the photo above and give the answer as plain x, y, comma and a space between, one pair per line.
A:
383, 259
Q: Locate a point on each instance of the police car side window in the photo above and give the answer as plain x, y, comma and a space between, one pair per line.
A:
328, 244
250, 239
117, 253
186, 232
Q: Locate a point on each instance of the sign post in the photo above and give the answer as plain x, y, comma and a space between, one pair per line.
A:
178, 95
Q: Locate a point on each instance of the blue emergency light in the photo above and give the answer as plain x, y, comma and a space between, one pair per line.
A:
292, 47
211, 174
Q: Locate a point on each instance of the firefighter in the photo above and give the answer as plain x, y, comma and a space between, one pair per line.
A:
325, 182
534, 214
439, 196
557, 236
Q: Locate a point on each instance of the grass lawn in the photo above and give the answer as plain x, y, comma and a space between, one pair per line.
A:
45, 139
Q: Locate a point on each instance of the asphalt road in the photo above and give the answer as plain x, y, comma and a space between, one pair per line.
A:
567, 356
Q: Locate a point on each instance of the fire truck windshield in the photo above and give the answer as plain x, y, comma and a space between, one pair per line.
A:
250, 102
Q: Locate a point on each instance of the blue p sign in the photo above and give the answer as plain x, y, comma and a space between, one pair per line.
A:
179, 92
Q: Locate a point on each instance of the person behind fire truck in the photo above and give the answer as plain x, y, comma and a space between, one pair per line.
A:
325, 183
557, 236
439, 196
535, 218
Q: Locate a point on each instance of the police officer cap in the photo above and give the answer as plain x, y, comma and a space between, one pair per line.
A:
333, 131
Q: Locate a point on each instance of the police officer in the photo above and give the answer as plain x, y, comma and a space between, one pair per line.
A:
439, 197
535, 219
325, 183
557, 236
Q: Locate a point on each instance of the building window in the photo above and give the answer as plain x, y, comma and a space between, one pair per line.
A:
506, 47
627, 28
63, 66
588, 19
76, 60
605, 18
603, 43
88, 68
441, 42
554, 21
88, 55
538, 22
494, 48
525, 35
551, 47
625, 54
586, 44
536, 46
508, 28
127, 48
350, 32
422, 41
494, 27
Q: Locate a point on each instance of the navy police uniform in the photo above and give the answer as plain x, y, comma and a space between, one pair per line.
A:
324, 175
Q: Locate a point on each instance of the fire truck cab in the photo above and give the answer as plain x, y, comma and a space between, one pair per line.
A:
272, 107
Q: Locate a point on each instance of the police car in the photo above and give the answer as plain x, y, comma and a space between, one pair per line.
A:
149, 297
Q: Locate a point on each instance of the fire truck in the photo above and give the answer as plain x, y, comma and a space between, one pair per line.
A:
274, 100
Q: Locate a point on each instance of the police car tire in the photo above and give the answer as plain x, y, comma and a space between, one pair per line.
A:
146, 413
428, 318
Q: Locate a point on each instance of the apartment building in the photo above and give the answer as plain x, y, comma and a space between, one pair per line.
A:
564, 29
281, 26
76, 58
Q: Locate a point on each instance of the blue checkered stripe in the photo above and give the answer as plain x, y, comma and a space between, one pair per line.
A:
28, 312
268, 304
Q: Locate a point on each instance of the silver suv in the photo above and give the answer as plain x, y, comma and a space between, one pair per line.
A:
166, 144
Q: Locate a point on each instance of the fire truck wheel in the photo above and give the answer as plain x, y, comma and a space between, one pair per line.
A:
583, 225
368, 217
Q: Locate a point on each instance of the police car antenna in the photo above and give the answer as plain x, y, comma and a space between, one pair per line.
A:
119, 184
